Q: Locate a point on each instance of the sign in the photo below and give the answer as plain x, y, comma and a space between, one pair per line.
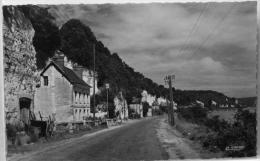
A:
107, 86
235, 148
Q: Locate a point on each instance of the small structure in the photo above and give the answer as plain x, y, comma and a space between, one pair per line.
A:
62, 94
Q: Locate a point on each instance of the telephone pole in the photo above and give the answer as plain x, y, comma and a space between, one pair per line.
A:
168, 80
94, 82
107, 87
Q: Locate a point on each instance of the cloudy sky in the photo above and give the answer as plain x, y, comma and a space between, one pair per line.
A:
206, 45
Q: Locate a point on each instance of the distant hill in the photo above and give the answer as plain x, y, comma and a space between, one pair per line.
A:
184, 97
76, 40
247, 101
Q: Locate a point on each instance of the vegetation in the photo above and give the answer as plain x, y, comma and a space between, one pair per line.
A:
194, 114
46, 38
145, 108
248, 101
221, 134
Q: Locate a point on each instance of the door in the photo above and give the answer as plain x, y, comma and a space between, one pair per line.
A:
25, 104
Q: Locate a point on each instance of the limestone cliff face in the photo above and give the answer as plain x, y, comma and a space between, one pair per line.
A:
20, 75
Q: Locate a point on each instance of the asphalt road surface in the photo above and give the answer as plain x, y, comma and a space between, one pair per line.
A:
134, 141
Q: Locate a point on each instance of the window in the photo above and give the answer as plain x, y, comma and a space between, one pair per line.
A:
45, 80
79, 98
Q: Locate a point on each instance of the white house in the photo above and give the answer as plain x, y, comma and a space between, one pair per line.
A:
62, 94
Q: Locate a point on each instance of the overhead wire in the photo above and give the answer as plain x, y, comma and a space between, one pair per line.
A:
194, 28
214, 29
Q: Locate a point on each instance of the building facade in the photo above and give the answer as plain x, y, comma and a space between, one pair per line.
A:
62, 94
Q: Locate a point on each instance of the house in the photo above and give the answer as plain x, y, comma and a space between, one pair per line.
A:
136, 106
213, 103
201, 104
146, 97
62, 94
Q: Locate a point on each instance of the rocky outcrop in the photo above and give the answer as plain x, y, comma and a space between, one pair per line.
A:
20, 74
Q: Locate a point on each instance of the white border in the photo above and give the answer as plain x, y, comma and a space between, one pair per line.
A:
19, 2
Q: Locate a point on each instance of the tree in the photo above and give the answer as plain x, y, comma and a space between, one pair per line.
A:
145, 108
46, 39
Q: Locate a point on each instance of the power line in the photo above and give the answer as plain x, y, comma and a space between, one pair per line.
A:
214, 29
194, 28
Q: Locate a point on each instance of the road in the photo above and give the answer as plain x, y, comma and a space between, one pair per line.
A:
146, 139
135, 141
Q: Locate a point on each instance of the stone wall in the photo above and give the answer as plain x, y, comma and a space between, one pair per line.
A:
20, 75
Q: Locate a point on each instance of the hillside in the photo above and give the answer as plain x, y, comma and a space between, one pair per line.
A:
248, 101
77, 40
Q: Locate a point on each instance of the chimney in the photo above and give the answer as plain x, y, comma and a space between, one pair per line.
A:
78, 69
58, 58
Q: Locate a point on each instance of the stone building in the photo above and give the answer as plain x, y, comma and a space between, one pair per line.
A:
62, 93
20, 73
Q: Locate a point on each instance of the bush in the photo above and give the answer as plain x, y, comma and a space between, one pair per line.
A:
216, 124
194, 114
241, 133
12, 129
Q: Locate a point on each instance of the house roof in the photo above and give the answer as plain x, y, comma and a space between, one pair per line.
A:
69, 74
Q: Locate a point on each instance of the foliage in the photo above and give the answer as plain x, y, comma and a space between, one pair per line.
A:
145, 108
46, 38
242, 132
248, 101
186, 97
222, 134
195, 114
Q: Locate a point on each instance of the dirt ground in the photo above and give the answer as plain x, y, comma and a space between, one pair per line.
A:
180, 147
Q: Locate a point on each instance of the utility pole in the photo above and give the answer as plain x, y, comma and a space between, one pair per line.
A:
124, 106
107, 87
168, 80
94, 81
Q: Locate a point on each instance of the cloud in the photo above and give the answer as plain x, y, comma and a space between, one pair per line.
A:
156, 39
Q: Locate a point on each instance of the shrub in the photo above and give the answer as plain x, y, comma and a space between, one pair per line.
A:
241, 133
195, 114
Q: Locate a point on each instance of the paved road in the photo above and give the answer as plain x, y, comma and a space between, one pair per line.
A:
135, 141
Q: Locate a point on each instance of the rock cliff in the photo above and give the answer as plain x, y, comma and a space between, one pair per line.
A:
20, 74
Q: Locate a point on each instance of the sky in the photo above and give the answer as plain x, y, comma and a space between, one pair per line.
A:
207, 46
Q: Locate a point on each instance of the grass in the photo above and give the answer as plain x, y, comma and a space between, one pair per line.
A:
196, 133
224, 114
220, 129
